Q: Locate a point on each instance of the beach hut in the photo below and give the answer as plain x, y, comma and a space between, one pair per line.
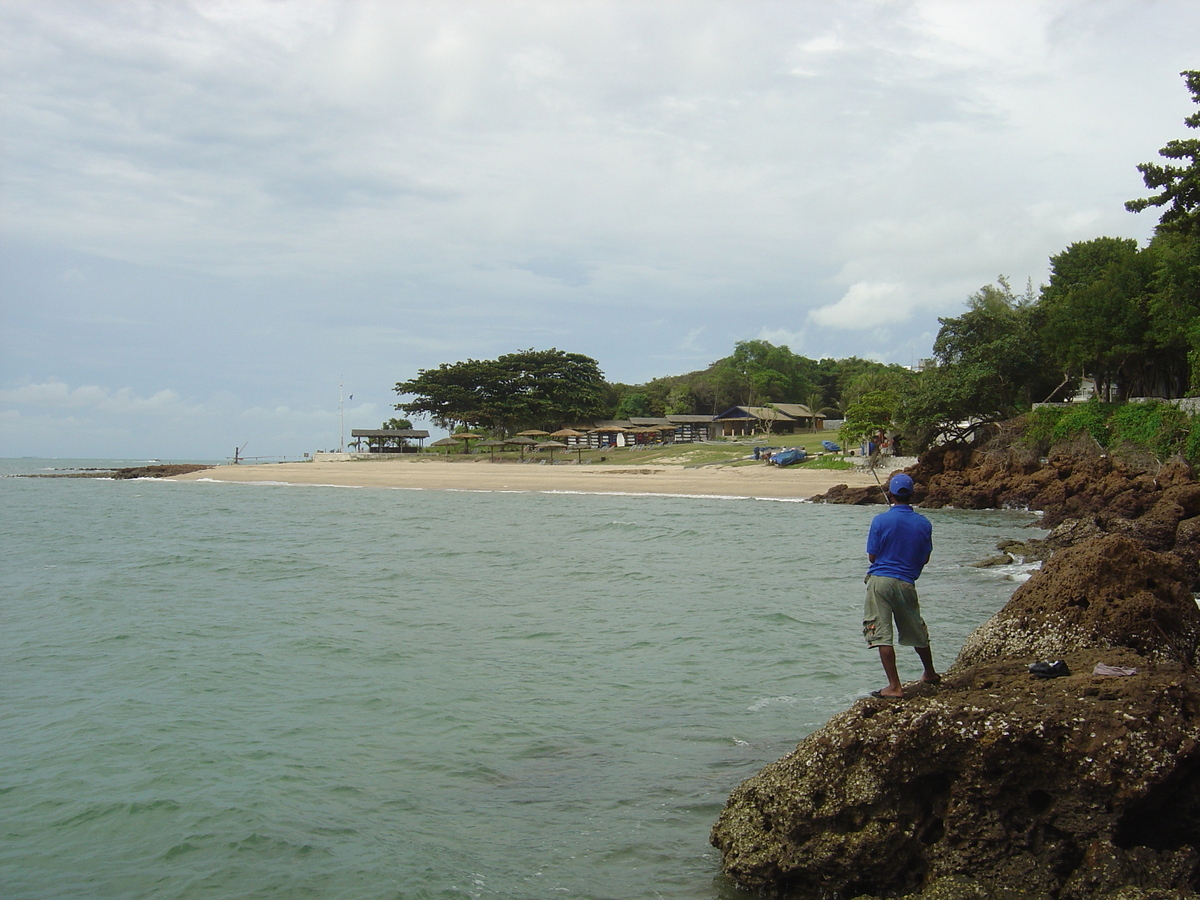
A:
389, 440
618, 435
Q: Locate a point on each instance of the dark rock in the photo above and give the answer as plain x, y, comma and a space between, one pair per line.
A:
159, 470
846, 495
1002, 560
1030, 550
156, 471
1108, 592
1011, 780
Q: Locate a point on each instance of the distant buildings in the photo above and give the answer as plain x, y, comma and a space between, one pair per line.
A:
778, 418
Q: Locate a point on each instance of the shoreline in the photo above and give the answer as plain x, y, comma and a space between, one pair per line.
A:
760, 481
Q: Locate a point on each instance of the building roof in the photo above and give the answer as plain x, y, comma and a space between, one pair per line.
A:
388, 433
778, 412
797, 411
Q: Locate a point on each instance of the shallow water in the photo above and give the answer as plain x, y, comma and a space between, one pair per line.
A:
215, 690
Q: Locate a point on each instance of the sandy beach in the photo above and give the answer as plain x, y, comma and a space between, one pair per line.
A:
426, 473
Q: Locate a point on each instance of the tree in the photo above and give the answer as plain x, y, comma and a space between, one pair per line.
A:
632, 405
990, 366
396, 425
1095, 312
762, 372
1174, 313
867, 416
1180, 185
518, 390
1174, 304
868, 380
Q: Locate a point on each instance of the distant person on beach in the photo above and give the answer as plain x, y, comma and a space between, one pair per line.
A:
899, 544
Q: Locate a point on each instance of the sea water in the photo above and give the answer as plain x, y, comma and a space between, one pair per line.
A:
256, 690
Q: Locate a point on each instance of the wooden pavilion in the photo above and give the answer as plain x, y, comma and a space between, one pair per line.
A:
390, 440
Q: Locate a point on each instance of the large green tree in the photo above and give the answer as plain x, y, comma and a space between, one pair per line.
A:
761, 372
990, 365
1174, 311
518, 390
1174, 302
1095, 312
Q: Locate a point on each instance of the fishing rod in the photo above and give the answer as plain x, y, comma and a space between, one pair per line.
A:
886, 499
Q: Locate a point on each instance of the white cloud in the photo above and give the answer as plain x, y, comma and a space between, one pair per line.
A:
782, 337
55, 394
865, 306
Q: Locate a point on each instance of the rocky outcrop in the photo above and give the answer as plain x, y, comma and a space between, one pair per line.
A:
1110, 591
996, 784
158, 470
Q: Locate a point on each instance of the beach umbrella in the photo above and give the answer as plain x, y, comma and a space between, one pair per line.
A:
567, 433
444, 442
466, 437
571, 433
551, 446
532, 432
522, 442
492, 445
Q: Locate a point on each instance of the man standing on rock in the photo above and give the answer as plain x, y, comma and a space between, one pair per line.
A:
898, 545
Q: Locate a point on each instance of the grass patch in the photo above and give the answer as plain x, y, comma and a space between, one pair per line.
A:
835, 463
1160, 429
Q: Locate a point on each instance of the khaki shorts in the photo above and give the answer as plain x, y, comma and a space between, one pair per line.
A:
888, 599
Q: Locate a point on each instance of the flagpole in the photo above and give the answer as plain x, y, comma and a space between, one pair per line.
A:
342, 415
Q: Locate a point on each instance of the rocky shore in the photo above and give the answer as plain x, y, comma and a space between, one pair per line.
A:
159, 470
998, 784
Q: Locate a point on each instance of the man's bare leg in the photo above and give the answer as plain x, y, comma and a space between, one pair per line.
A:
887, 656
930, 675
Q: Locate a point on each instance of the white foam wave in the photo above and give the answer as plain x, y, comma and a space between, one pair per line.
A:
762, 704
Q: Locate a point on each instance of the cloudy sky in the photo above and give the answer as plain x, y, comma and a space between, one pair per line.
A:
222, 217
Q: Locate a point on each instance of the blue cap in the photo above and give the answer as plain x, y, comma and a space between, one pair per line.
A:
900, 486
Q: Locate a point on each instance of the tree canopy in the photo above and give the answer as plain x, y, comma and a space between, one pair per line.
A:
526, 389
1179, 184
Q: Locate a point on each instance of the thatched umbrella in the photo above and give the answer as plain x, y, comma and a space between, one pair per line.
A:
551, 446
522, 442
492, 445
444, 442
571, 433
466, 437
532, 432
